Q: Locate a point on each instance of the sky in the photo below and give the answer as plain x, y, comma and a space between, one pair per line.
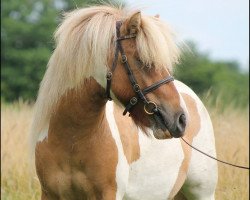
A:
218, 27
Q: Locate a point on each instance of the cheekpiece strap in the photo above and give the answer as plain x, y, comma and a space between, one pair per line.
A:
114, 64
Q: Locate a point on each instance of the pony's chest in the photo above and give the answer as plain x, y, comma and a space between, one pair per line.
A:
154, 174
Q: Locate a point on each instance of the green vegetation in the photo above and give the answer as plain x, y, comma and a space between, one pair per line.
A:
221, 81
27, 43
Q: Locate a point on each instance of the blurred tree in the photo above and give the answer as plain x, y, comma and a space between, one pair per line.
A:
222, 78
26, 42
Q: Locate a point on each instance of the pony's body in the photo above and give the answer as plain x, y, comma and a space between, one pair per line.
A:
86, 149
126, 164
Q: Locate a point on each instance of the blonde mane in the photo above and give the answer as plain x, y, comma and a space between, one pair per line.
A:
83, 42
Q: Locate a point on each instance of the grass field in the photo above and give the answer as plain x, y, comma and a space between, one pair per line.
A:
18, 180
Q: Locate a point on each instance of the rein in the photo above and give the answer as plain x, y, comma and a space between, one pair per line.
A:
150, 107
221, 161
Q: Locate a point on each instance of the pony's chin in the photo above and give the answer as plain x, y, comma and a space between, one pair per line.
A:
162, 135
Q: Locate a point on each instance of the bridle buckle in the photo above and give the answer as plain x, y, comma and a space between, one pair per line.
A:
136, 88
133, 101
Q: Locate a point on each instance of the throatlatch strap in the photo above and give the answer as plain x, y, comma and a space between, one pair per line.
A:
127, 108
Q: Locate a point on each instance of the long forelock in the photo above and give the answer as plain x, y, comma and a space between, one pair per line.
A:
156, 44
83, 43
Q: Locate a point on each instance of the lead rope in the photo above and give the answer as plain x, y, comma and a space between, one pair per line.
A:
238, 166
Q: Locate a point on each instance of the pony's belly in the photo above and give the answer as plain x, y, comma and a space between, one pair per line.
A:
154, 174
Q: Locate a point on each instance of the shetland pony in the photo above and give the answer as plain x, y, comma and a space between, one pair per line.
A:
85, 148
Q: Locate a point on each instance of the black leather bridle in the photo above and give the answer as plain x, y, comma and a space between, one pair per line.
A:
150, 107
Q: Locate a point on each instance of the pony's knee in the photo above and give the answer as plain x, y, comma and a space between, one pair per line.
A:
193, 194
180, 196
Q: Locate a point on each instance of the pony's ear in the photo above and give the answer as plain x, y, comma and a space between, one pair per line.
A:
133, 23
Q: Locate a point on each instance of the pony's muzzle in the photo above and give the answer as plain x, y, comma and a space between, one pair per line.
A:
171, 124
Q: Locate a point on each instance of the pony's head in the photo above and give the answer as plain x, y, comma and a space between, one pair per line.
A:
145, 47
85, 47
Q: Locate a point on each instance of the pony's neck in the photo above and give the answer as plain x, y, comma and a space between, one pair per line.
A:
80, 109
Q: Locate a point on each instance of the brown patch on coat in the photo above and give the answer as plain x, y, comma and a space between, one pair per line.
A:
78, 159
192, 129
128, 134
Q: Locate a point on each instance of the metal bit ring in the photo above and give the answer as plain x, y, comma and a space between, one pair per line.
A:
151, 112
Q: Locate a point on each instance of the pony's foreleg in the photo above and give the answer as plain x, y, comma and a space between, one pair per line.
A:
201, 183
44, 197
180, 196
202, 174
109, 194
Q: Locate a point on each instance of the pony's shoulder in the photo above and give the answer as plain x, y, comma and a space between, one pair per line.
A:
184, 89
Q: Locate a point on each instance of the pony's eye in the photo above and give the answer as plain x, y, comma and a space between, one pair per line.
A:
139, 61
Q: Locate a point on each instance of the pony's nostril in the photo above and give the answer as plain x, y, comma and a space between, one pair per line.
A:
179, 126
182, 120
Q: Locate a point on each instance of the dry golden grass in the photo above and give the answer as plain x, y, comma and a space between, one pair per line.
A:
232, 144
20, 183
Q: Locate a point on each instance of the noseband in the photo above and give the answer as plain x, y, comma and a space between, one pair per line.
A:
150, 107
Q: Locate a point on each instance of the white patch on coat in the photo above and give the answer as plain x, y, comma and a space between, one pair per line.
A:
182, 88
182, 102
203, 173
122, 169
154, 174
